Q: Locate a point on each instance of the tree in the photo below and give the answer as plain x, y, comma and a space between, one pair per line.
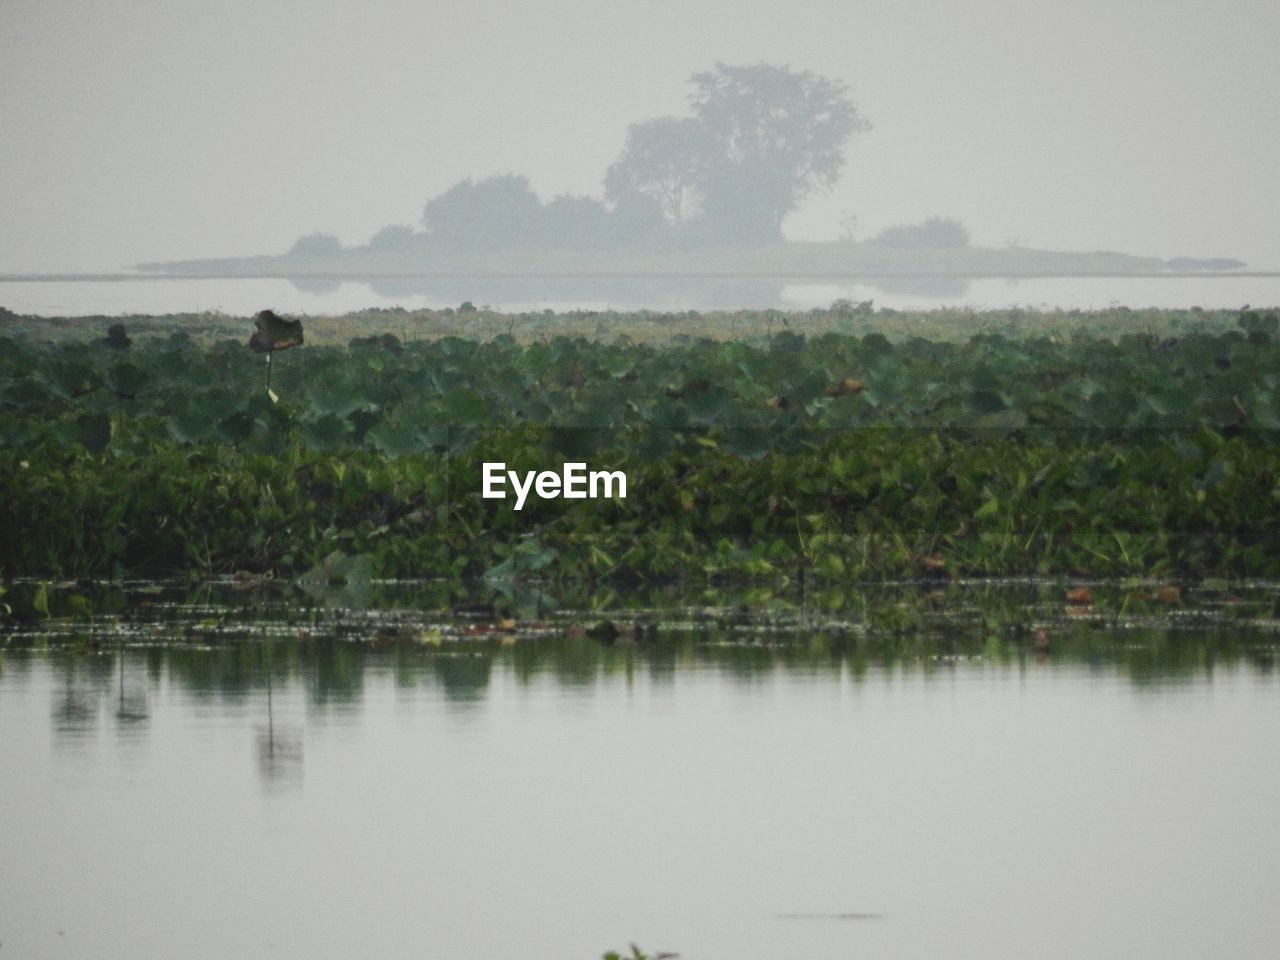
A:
490, 214
761, 139
662, 159
778, 136
633, 217
569, 221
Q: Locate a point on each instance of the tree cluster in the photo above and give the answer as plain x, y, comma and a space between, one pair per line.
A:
503, 212
761, 138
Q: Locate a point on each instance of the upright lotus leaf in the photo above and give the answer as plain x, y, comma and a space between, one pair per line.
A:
237, 427
181, 364
117, 337
787, 342
619, 363
394, 439
333, 394
11, 354
340, 580
94, 432
26, 395
375, 344
361, 422
1000, 423
747, 442
805, 385
467, 408
985, 402
275, 333
1261, 328
1264, 409
70, 375
218, 403
192, 423
704, 406
127, 380
528, 557
271, 438
326, 433
668, 414
574, 442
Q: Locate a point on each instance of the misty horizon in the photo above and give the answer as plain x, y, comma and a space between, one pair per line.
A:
139, 133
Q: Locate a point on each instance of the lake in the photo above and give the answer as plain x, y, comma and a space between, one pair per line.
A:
234, 774
246, 297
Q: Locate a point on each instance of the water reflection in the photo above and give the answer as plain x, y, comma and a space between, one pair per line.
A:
731, 775
652, 293
279, 745
77, 701
132, 706
315, 296
252, 650
315, 677
255, 654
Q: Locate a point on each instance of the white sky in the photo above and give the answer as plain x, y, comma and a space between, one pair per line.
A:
138, 130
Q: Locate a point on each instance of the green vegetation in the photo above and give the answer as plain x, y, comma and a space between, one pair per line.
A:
783, 457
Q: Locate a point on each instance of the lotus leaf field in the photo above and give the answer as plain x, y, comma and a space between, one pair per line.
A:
783, 455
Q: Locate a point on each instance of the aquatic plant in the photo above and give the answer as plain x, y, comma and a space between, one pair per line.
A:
785, 457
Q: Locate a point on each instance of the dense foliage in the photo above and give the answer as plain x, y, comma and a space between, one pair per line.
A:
835, 456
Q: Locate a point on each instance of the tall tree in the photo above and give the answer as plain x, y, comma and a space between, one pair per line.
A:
776, 136
662, 159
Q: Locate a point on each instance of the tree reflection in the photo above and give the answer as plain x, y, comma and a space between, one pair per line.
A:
77, 705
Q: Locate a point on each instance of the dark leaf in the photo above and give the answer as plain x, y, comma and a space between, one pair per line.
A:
275, 333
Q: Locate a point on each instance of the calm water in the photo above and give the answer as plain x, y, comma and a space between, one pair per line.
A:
244, 297
726, 788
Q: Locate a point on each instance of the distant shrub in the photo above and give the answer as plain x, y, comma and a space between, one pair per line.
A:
490, 214
394, 237
316, 245
935, 233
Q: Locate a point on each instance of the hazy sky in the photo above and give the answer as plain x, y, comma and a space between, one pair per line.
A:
138, 130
